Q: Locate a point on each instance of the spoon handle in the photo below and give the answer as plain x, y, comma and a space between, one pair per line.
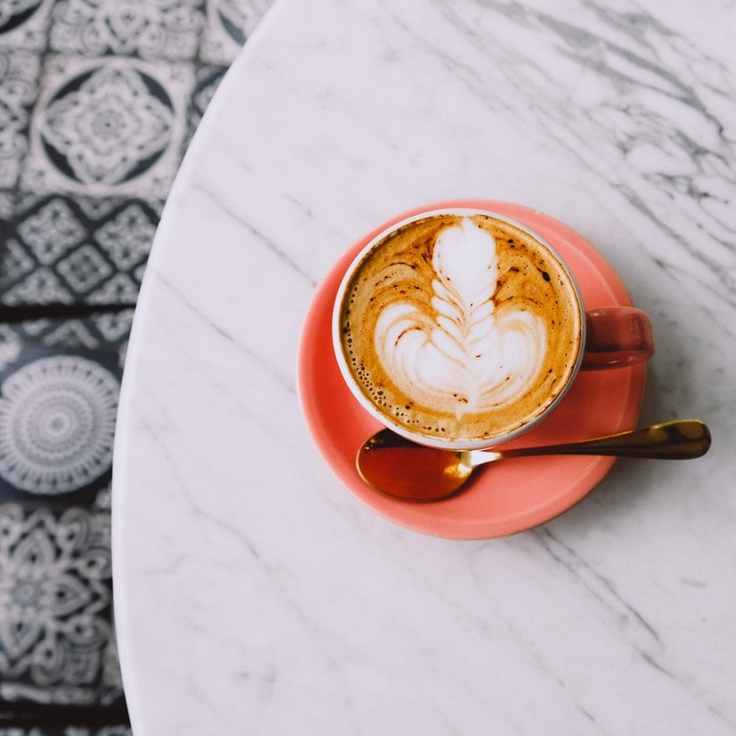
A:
679, 440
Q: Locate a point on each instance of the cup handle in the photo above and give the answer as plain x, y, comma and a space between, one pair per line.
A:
616, 337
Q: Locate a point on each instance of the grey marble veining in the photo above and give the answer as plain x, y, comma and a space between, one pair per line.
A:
291, 608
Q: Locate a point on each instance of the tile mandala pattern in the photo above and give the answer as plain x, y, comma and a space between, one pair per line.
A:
55, 605
166, 29
57, 423
59, 385
108, 126
76, 249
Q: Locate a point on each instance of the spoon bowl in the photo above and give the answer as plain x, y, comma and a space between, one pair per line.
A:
404, 469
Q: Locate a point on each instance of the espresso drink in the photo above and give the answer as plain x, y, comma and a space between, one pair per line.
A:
460, 327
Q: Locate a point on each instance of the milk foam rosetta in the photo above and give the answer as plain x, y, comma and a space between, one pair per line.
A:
460, 326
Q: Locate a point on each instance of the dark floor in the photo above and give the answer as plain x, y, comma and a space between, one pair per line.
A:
98, 102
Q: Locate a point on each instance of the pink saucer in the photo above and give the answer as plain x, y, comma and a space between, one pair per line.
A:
512, 495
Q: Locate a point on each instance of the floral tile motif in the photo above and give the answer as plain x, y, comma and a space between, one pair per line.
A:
229, 23
57, 425
56, 606
23, 23
59, 384
19, 71
108, 126
61, 249
166, 29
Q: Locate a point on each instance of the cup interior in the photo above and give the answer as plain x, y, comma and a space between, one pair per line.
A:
374, 244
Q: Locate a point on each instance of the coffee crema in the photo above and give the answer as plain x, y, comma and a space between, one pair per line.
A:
460, 327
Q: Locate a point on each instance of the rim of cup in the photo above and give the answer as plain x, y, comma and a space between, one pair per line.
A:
457, 443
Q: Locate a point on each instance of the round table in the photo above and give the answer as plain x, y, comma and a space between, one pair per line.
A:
254, 594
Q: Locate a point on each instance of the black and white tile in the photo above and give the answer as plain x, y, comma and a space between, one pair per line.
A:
24, 23
59, 382
207, 81
228, 25
57, 425
59, 386
19, 72
56, 635
71, 249
108, 126
166, 29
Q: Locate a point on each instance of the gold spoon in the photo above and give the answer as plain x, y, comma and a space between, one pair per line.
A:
404, 469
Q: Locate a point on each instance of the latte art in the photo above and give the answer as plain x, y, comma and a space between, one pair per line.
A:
463, 354
460, 327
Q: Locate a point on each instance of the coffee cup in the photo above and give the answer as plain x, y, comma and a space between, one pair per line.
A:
461, 328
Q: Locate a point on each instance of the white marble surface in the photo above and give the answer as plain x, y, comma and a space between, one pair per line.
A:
254, 594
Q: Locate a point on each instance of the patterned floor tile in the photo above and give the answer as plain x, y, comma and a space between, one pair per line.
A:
68, 249
59, 385
19, 71
24, 23
57, 425
56, 639
228, 25
108, 126
166, 29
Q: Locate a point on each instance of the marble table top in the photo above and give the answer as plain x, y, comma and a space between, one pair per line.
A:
254, 594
